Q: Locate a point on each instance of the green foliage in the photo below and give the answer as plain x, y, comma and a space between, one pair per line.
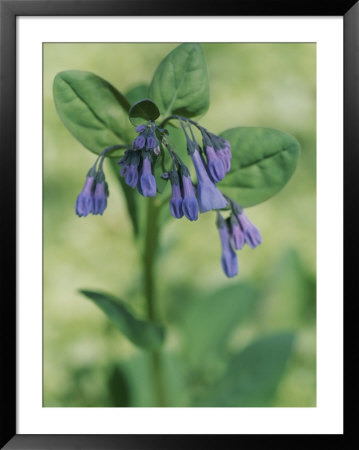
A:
92, 109
142, 111
201, 368
144, 334
209, 322
253, 374
136, 93
263, 160
119, 388
180, 83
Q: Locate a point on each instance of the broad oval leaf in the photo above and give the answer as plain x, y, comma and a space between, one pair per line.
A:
136, 92
253, 374
208, 322
93, 110
180, 83
143, 111
144, 334
263, 160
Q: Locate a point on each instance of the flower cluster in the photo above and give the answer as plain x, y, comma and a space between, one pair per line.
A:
137, 162
211, 163
234, 232
93, 197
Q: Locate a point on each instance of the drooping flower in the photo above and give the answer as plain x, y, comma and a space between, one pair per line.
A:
147, 180
189, 204
100, 195
139, 142
237, 234
84, 202
130, 162
176, 199
215, 165
209, 196
229, 258
251, 233
223, 151
140, 128
151, 143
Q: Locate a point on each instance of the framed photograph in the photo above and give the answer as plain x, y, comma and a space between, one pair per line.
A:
175, 218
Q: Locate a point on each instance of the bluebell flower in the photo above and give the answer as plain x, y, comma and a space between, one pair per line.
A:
84, 202
251, 233
229, 258
189, 204
209, 196
176, 199
139, 142
100, 197
151, 143
147, 180
140, 128
214, 164
129, 171
237, 235
131, 175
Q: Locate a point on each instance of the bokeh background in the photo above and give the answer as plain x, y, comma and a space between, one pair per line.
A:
86, 361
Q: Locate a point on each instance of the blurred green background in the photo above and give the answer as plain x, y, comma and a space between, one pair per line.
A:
210, 319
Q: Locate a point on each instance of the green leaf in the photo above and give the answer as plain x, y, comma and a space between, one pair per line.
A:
253, 375
210, 321
119, 392
93, 110
288, 276
180, 83
137, 92
146, 335
263, 160
143, 111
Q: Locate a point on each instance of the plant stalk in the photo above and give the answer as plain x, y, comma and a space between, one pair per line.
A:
149, 255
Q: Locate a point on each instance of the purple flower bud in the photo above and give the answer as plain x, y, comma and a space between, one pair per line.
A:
99, 198
151, 143
209, 197
229, 258
189, 204
139, 142
237, 236
176, 201
140, 128
123, 171
147, 180
131, 175
84, 200
225, 158
251, 233
215, 165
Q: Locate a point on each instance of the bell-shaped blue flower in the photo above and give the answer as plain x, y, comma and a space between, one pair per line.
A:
140, 128
100, 198
139, 142
147, 180
151, 143
251, 233
215, 165
229, 258
237, 234
129, 171
131, 176
84, 202
189, 204
176, 199
209, 196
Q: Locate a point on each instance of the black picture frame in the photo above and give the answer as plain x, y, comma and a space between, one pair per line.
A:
9, 10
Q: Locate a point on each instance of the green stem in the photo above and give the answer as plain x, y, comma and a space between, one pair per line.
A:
149, 255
